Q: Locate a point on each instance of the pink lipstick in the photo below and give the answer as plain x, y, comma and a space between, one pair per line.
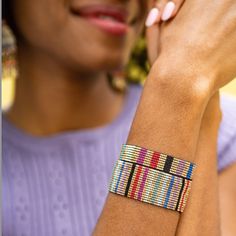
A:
111, 19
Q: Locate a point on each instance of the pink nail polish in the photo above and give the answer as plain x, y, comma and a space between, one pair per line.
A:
168, 10
152, 17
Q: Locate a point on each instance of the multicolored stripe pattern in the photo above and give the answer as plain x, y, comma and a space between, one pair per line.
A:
152, 177
157, 160
150, 186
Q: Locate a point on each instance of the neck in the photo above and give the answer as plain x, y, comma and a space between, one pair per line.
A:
50, 99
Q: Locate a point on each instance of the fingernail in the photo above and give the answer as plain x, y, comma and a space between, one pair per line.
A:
152, 17
168, 10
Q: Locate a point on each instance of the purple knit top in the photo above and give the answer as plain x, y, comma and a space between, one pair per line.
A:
57, 185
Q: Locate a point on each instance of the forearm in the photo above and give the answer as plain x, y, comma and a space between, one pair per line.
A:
201, 216
168, 122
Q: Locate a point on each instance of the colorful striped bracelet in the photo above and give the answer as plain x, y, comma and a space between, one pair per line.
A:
157, 160
142, 181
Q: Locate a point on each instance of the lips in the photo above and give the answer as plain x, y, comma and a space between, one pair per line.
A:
112, 19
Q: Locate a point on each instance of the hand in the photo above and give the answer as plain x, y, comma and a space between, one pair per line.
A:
199, 44
160, 11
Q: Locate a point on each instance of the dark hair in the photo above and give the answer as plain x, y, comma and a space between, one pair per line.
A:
6, 10
7, 15
137, 68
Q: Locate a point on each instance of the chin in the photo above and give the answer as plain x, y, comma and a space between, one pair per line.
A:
114, 61
102, 60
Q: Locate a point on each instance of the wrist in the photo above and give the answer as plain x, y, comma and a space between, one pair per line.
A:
212, 114
177, 86
183, 79
167, 117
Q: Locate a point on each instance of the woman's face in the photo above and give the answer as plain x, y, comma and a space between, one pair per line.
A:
85, 35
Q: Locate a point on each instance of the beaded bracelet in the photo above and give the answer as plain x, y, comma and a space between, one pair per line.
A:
142, 181
157, 160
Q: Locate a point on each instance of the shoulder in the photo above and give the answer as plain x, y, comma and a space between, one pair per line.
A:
134, 94
227, 132
136, 90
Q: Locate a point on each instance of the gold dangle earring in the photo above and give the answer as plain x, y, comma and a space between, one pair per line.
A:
8, 53
118, 81
9, 71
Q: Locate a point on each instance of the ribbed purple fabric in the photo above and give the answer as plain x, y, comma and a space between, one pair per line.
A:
57, 185
227, 133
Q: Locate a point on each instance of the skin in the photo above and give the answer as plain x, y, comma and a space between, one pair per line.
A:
223, 75
193, 221
59, 70
65, 81
198, 43
184, 102
143, 218
227, 199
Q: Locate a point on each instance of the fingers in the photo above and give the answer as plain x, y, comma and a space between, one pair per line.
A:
152, 37
156, 9
153, 17
178, 5
162, 10
152, 31
170, 9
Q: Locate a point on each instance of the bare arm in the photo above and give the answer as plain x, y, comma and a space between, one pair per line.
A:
169, 115
123, 216
202, 216
218, 216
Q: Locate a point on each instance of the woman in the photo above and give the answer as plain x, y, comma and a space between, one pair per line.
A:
63, 133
